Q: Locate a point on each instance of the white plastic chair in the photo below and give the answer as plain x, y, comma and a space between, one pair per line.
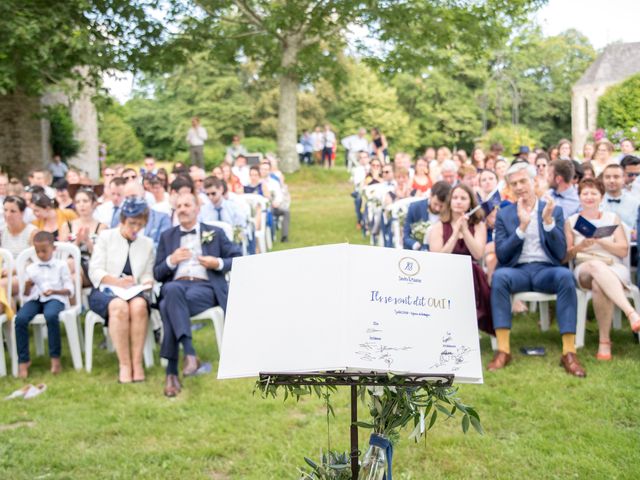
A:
91, 320
216, 316
5, 325
68, 317
226, 228
245, 210
258, 202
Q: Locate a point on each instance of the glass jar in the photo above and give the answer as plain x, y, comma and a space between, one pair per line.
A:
374, 464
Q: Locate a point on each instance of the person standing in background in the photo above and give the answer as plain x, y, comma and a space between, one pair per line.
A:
329, 143
196, 137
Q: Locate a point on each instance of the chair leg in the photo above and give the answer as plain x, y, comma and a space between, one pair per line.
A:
617, 318
581, 321
218, 325
14, 349
494, 343
3, 364
38, 339
89, 325
80, 332
544, 316
148, 347
71, 326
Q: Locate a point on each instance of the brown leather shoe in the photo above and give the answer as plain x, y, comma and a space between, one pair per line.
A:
176, 383
500, 360
170, 389
191, 365
572, 365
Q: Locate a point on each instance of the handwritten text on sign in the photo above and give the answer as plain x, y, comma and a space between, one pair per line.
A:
415, 300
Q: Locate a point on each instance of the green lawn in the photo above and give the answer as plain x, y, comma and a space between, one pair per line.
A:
539, 422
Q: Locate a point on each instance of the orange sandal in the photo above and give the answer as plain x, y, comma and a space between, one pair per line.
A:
604, 356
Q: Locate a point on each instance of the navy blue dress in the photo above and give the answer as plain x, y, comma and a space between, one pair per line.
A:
99, 300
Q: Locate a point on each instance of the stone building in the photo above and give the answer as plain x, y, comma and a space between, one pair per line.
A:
24, 134
615, 64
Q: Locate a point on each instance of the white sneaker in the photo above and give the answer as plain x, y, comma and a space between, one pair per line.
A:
34, 391
19, 393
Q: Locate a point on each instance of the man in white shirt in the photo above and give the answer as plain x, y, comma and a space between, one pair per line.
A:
531, 246
191, 263
354, 144
108, 213
616, 199
196, 136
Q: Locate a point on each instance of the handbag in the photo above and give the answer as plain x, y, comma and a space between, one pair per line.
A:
582, 257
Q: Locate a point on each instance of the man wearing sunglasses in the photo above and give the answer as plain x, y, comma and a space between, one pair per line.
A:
219, 209
631, 166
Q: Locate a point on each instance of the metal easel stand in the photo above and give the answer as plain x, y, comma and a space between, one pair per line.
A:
355, 380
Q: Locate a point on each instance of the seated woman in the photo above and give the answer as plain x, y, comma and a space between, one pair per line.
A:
49, 217
84, 230
16, 236
256, 184
600, 268
462, 233
421, 180
123, 257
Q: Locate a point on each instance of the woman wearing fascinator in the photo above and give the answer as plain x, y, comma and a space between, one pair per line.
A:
123, 258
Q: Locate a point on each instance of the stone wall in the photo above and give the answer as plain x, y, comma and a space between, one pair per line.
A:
21, 135
584, 112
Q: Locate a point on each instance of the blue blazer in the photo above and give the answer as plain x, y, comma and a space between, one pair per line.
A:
158, 222
418, 212
509, 245
219, 247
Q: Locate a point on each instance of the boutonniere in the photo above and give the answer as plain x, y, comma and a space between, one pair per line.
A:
207, 236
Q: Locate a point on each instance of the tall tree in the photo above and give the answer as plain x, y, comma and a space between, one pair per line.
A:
43, 43
297, 41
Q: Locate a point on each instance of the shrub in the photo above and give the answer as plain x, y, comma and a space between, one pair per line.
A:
511, 137
258, 144
619, 110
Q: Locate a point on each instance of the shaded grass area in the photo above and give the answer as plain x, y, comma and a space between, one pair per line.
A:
539, 422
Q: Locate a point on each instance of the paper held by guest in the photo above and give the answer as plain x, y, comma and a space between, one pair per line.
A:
351, 307
126, 293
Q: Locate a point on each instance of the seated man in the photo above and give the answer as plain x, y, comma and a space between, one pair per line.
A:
616, 198
191, 263
560, 175
530, 246
427, 210
219, 209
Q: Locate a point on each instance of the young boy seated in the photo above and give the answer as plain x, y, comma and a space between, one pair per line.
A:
47, 290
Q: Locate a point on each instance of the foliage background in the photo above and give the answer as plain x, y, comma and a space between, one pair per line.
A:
619, 110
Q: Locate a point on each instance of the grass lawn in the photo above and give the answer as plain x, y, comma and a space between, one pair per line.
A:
539, 422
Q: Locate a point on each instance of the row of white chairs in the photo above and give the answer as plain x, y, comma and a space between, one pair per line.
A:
71, 318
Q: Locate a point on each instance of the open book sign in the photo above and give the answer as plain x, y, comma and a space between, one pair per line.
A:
589, 230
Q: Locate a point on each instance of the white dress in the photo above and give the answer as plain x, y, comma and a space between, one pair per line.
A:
618, 267
17, 243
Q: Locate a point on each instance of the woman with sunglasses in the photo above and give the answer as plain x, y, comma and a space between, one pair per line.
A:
541, 183
49, 217
84, 230
375, 173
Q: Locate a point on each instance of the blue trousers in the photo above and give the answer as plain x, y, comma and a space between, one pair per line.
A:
181, 299
51, 310
534, 277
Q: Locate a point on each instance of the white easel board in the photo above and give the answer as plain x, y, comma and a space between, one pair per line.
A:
351, 307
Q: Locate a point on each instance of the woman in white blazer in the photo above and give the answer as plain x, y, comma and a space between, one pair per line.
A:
123, 257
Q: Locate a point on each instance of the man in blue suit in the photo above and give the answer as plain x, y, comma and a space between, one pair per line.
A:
531, 246
424, 211
191, 262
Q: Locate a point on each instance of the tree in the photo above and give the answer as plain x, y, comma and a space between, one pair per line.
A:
530, 82
296, 42
163, 106
62, 139
43, 43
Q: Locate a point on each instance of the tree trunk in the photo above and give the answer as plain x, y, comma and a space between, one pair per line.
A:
287, 120
287, 105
